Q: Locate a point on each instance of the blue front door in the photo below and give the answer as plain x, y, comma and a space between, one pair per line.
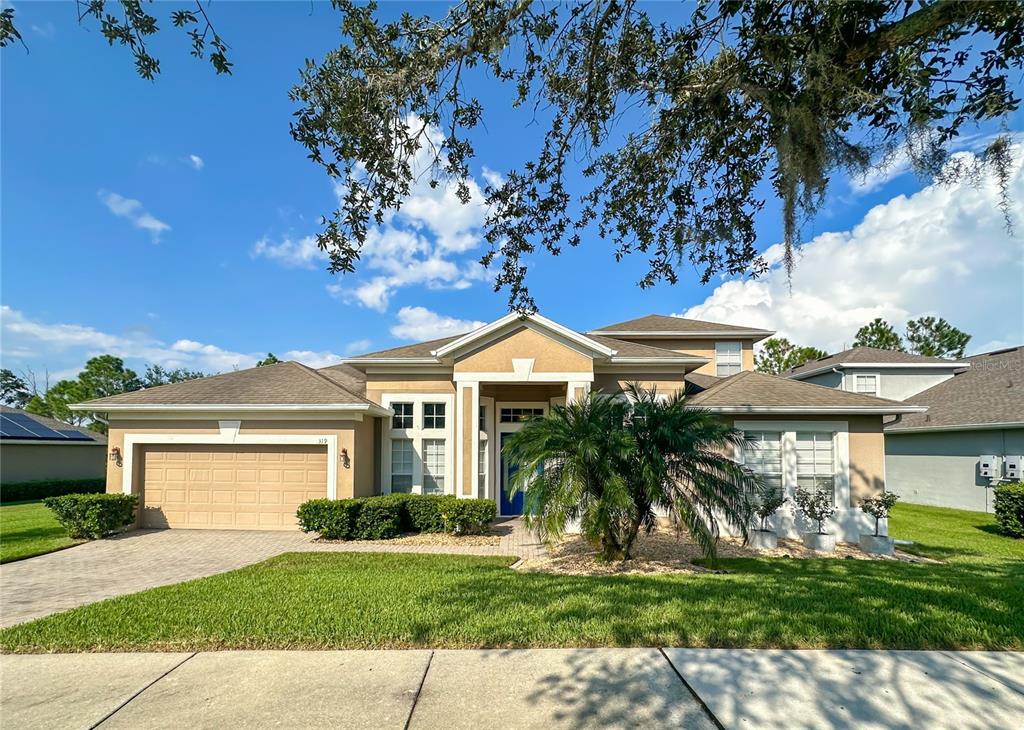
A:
512, 506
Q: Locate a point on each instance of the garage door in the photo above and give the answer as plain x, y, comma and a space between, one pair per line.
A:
230, 487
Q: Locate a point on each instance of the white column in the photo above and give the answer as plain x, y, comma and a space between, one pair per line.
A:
467, 438
571, 388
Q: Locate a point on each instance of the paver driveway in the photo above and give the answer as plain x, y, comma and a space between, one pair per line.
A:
144, 559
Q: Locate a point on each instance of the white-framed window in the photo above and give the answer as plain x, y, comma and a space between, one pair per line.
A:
762, 454
482, 419
401, 465
865, 384
815, 460
518, 415
403, 415
433, 415
728, 358
433, 466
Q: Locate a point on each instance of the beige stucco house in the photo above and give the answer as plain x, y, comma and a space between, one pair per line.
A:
244, 449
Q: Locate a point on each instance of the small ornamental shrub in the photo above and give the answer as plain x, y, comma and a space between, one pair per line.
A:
880, 506
25, 491
332, 519
93, 516
379, 518
468, 516
424, 512
1009, 508
817, 505
767, 503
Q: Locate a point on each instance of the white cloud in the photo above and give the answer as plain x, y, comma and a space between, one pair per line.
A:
419, 323
196, 161
133, 210
943, 251
47, 30
64, 348
301, 253
357, 346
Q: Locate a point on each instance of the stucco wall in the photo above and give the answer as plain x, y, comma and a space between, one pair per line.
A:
703, 348
901, 383
549, 356
611, 383
25, 463
941, 467
377, 384
829, 380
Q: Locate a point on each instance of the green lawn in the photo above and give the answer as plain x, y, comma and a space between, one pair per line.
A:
324, 600
28, 529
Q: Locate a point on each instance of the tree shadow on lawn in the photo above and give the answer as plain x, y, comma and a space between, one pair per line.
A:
794, 604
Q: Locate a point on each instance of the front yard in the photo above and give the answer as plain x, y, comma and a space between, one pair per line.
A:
28, 529
332, 600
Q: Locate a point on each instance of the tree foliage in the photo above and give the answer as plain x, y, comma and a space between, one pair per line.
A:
14, 391
678, 128
778, 355
270, 359
102, 376
613, 466
158, 375
936, 338
879, 334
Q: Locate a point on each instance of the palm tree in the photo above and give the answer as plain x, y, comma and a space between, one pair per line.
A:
614, 465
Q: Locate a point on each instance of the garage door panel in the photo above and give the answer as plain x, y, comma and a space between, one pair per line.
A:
230, 487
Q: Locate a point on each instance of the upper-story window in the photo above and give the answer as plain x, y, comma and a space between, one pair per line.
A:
403, 415
433, 415
866, 384
728, 358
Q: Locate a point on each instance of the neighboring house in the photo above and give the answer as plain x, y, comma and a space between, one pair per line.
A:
35, 447
975, 409
243, 449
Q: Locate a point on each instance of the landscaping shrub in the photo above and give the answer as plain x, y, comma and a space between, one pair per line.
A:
879, 507
93, 515
379, 518
425, 512
388, 516
25, 491
467, 516
818, 505
333, 519
1010, 508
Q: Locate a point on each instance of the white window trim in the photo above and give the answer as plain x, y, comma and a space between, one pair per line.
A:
229, 435
840, 453
851, 382
718, 356
417, 433
486, 437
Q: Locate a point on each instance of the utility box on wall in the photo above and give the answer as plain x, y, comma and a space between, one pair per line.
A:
1011, 468
988, 466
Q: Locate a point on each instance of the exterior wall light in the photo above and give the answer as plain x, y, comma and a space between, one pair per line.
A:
345, 461
115, 455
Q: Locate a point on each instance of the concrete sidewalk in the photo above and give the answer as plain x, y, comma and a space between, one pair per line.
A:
545, 688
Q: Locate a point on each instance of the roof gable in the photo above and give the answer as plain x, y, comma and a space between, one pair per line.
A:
512, 321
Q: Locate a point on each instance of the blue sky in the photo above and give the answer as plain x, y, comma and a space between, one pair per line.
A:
171, 222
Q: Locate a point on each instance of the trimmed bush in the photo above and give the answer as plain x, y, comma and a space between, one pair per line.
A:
333, 519
388, 516
26, 491
380, 518
93, 515
468, 516
425, 512
1010, 508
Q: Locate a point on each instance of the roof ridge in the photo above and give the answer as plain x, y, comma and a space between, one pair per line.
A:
320, 376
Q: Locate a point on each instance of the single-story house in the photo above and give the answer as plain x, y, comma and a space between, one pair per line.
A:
34, 448
243, 449
975, 411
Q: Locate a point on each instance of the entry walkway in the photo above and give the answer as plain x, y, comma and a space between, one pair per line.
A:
548, 688
143, 559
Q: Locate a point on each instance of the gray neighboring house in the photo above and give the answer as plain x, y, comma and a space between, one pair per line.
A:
975, 407
35, 447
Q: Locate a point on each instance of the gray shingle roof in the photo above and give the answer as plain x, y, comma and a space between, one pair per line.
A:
417, 349
282, 383
867, 355
758, 390
624, 348
53, 423
990, 391
659, 323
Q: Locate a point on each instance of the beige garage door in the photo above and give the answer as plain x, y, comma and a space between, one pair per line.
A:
230, 487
